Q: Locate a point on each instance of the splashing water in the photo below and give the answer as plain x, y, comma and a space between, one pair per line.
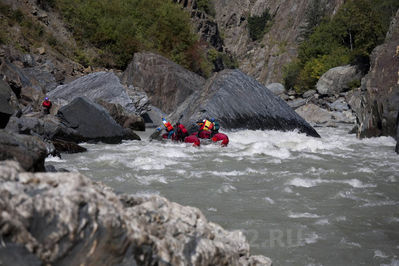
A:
300, 200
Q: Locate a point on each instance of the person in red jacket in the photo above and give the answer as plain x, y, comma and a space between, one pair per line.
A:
181, 133
221, 137
46, 106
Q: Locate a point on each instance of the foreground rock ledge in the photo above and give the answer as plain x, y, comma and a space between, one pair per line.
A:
67, 219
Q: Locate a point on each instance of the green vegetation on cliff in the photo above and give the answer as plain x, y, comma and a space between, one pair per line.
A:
119, 28
259, 25
347, 38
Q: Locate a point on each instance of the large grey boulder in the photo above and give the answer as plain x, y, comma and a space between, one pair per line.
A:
337, 80
379, 93
314, 114
276, 88
166, 83
239, 101
29, 151
122, 117
100, 85
67, 219
8, 103
90, 121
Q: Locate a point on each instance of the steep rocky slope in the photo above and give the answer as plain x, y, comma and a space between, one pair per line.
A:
264, 59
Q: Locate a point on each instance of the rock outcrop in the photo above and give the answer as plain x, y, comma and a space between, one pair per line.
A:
66, 219
91, 122
264, 59
123, 118
379, 94
100, 85
337, 80
239, 101
29, 151
8, 103
207, 27
167, 84
397, 134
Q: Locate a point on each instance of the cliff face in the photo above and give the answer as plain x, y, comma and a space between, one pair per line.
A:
379, 92
264, 59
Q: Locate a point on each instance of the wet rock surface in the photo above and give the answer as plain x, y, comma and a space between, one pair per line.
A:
66, 219
29, 151
8, 104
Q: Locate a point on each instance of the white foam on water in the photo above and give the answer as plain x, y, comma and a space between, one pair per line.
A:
380, 254
322, 222
393, 220
349, 243
211, 209
381, 203
149, 179
287, 190
394, 262
312, 238
348, 195
146, 193
308, 183
225, 188
340, 218
310, 156
269, 200
302, 215
54, 159
365, 170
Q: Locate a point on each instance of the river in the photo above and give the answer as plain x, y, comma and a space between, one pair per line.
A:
300, 200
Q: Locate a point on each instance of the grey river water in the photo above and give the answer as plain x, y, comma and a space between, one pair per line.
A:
299, 200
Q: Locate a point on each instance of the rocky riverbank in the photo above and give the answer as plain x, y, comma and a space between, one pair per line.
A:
65, 218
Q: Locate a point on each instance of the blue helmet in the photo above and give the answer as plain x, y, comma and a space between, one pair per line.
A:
46, 98
212, 120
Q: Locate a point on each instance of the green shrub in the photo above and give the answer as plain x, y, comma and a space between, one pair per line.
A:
257, 25
349, 37
354, 84
206, 6
120, 28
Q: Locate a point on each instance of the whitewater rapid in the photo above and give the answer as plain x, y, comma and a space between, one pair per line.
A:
300, 200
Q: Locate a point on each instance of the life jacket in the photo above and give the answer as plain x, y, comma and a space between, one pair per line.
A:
46, 104
167, 125
208, 125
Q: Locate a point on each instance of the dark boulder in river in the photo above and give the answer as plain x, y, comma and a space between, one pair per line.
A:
239, 101
8, 103
166, 83
29, 151
397, 134
67, 219
91, 122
